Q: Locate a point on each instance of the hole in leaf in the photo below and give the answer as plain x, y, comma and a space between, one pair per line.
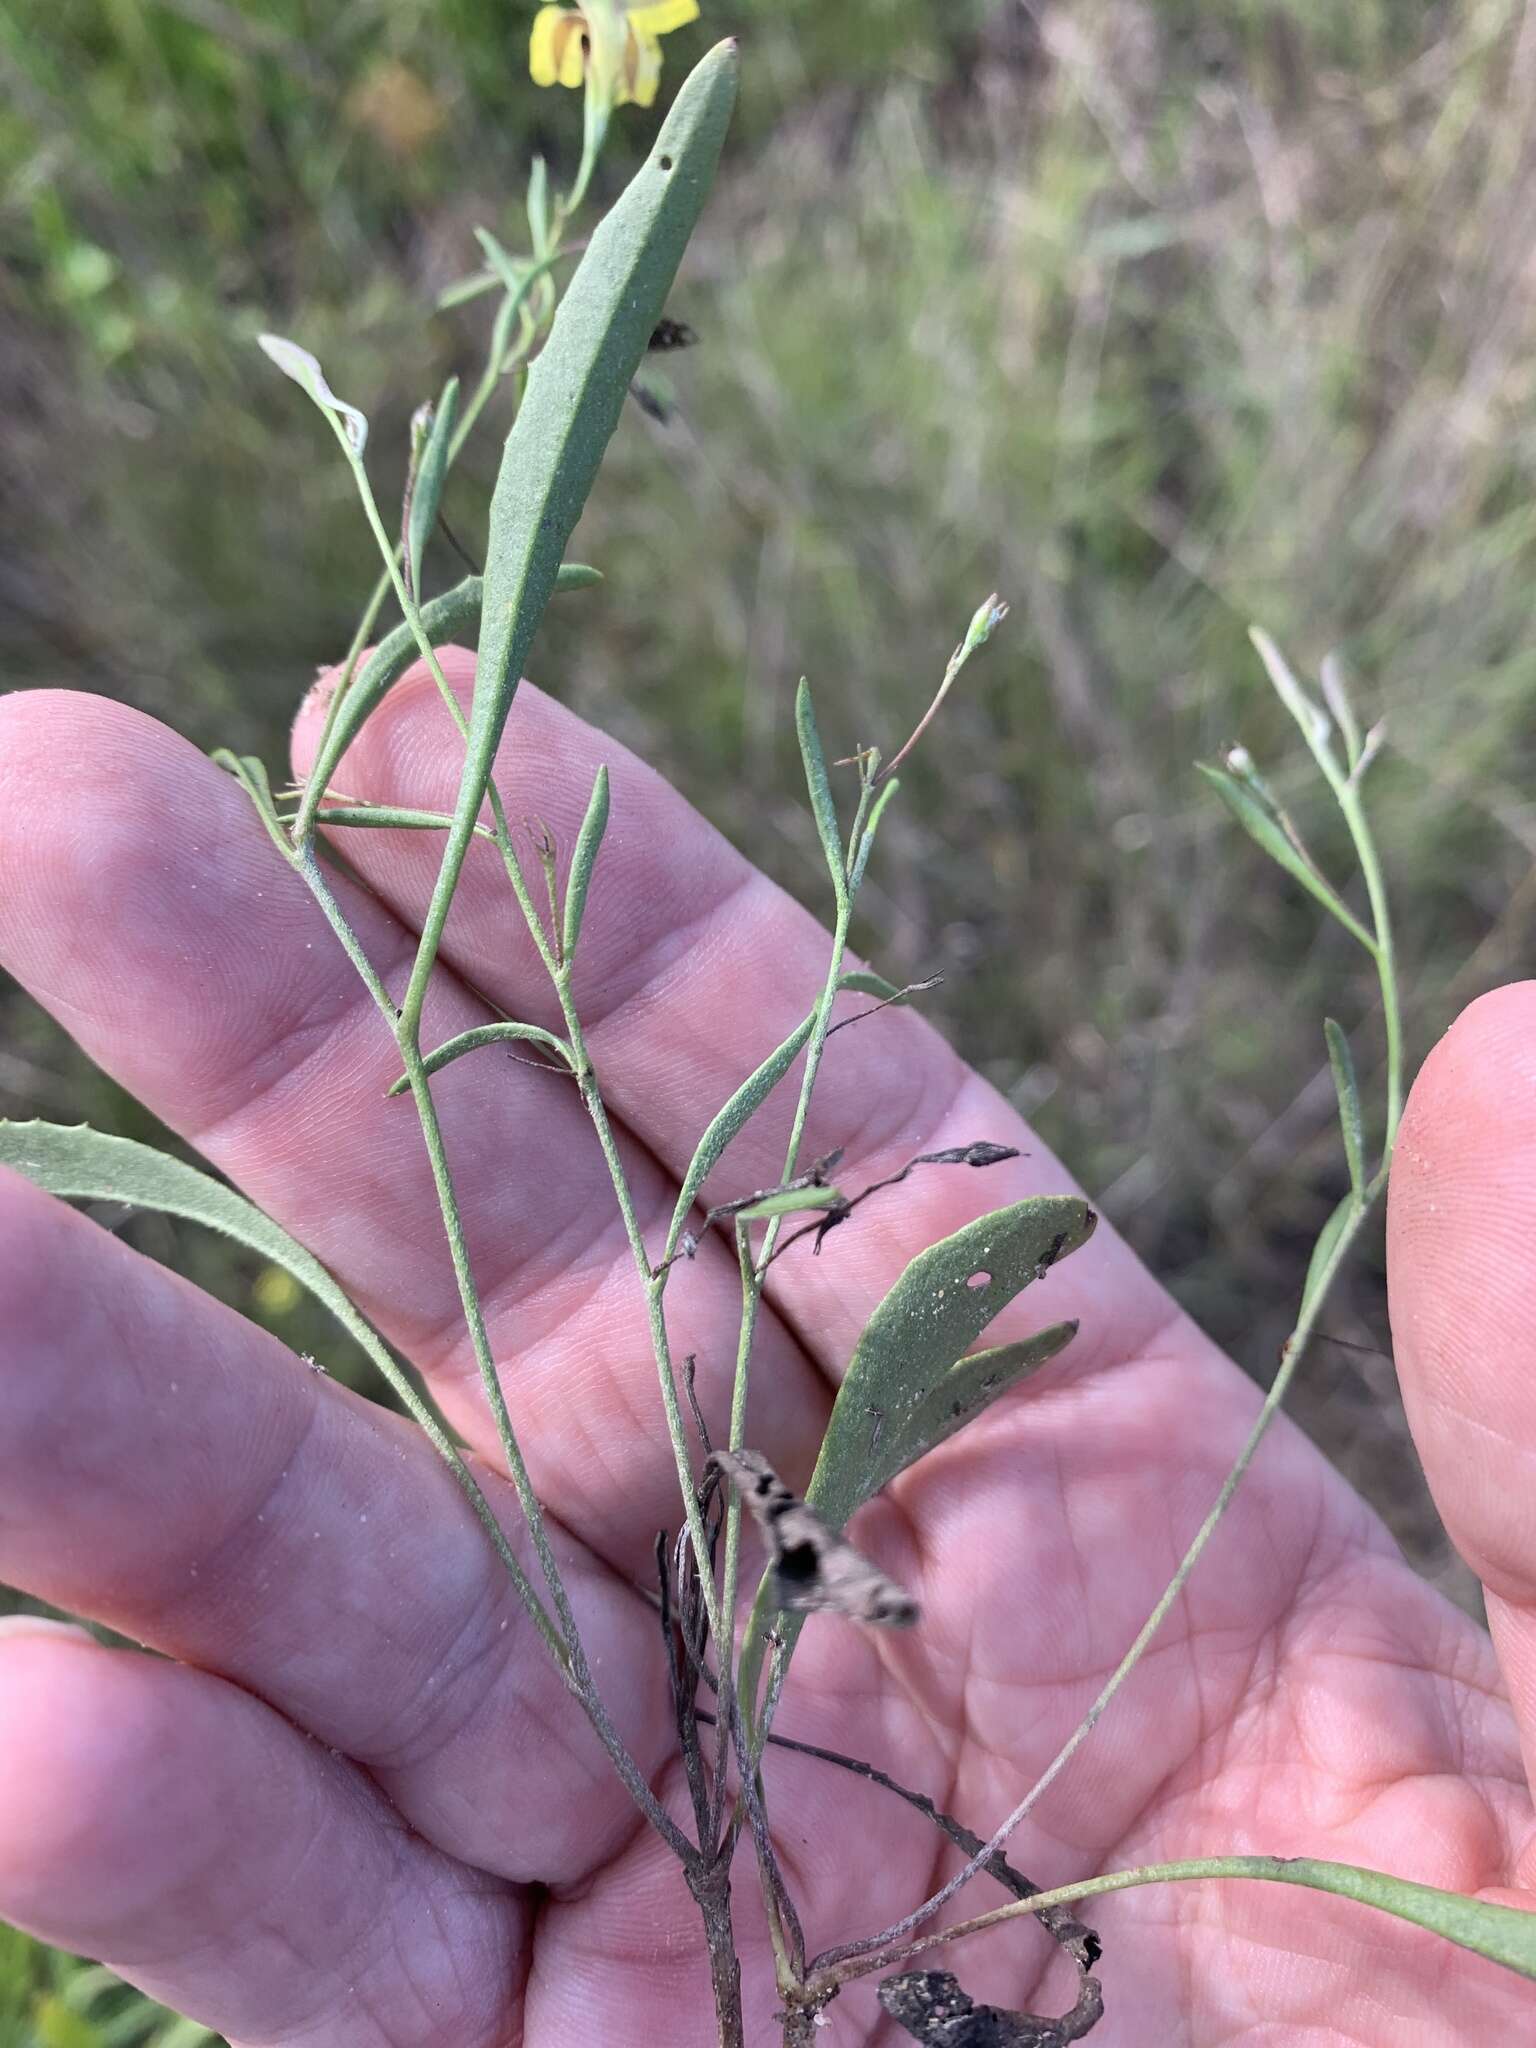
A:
666, 163
979, 1280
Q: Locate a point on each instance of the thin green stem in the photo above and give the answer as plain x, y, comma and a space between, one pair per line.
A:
654, 1285
309, 868
1501, 1932
564, 1642
1384, 953
582, 1681
1290, 1359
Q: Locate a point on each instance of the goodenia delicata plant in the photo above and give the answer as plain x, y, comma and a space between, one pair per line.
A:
914, 1378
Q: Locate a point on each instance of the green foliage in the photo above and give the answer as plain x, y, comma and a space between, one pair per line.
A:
588, 845
908, 1386
1147, 422
901, 1368
430, 476
49, 2000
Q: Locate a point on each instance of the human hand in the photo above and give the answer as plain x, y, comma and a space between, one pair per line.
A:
353, 1802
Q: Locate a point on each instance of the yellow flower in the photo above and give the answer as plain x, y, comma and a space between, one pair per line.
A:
613, 46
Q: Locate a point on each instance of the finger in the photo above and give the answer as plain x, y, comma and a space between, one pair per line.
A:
170, 1469
1461, 1250
168, 1823
691, 968
212, 987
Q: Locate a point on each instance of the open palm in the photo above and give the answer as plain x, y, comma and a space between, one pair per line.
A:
351, 1804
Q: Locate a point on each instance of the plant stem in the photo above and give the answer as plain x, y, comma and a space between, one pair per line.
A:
653, 1284
1379, 943
1290, 1357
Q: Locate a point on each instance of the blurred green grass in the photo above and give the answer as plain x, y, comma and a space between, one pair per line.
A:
1157, 319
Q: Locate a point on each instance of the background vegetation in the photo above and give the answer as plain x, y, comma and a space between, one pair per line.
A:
1156, 318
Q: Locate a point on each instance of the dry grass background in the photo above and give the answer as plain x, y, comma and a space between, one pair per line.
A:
1157, 319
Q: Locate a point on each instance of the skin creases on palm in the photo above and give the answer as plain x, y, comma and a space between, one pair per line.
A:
351, 1803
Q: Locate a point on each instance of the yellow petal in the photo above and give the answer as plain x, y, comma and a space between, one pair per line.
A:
542, 65
642, 71
571, 48
660, 17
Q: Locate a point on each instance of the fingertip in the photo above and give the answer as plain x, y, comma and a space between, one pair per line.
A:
62, 1755
1461, 1248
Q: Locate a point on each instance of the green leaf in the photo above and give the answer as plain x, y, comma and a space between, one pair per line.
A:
1341, 1059
866, 844
957, 1397
1327, 1239
538, 206
1261, 825
390, 816
1316, 726
513, 275
251, 774
932, 1316
752, 1093
820, 788
431, 475
577, 576
576, 392
901, 1368
861, 982
485, 1034
81, 1164
787, 1202
1504, 1934
302, 367
466, 288
588, 842
1336, 697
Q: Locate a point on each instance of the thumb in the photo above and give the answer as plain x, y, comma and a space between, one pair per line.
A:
1461, 1268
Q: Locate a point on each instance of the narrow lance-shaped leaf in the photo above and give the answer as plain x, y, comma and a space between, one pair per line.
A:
251, 774
588, 843
1504, 1934
819, 787
1336, 697
576, 391
724, 1126
787, 1202
304, 369
486, 1034
1327, 1240
389, 817
431, 475
1341, 1059
1263, 827
755, 1090
1316, 726
513, 275
866, 844
861, 981
538, 206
